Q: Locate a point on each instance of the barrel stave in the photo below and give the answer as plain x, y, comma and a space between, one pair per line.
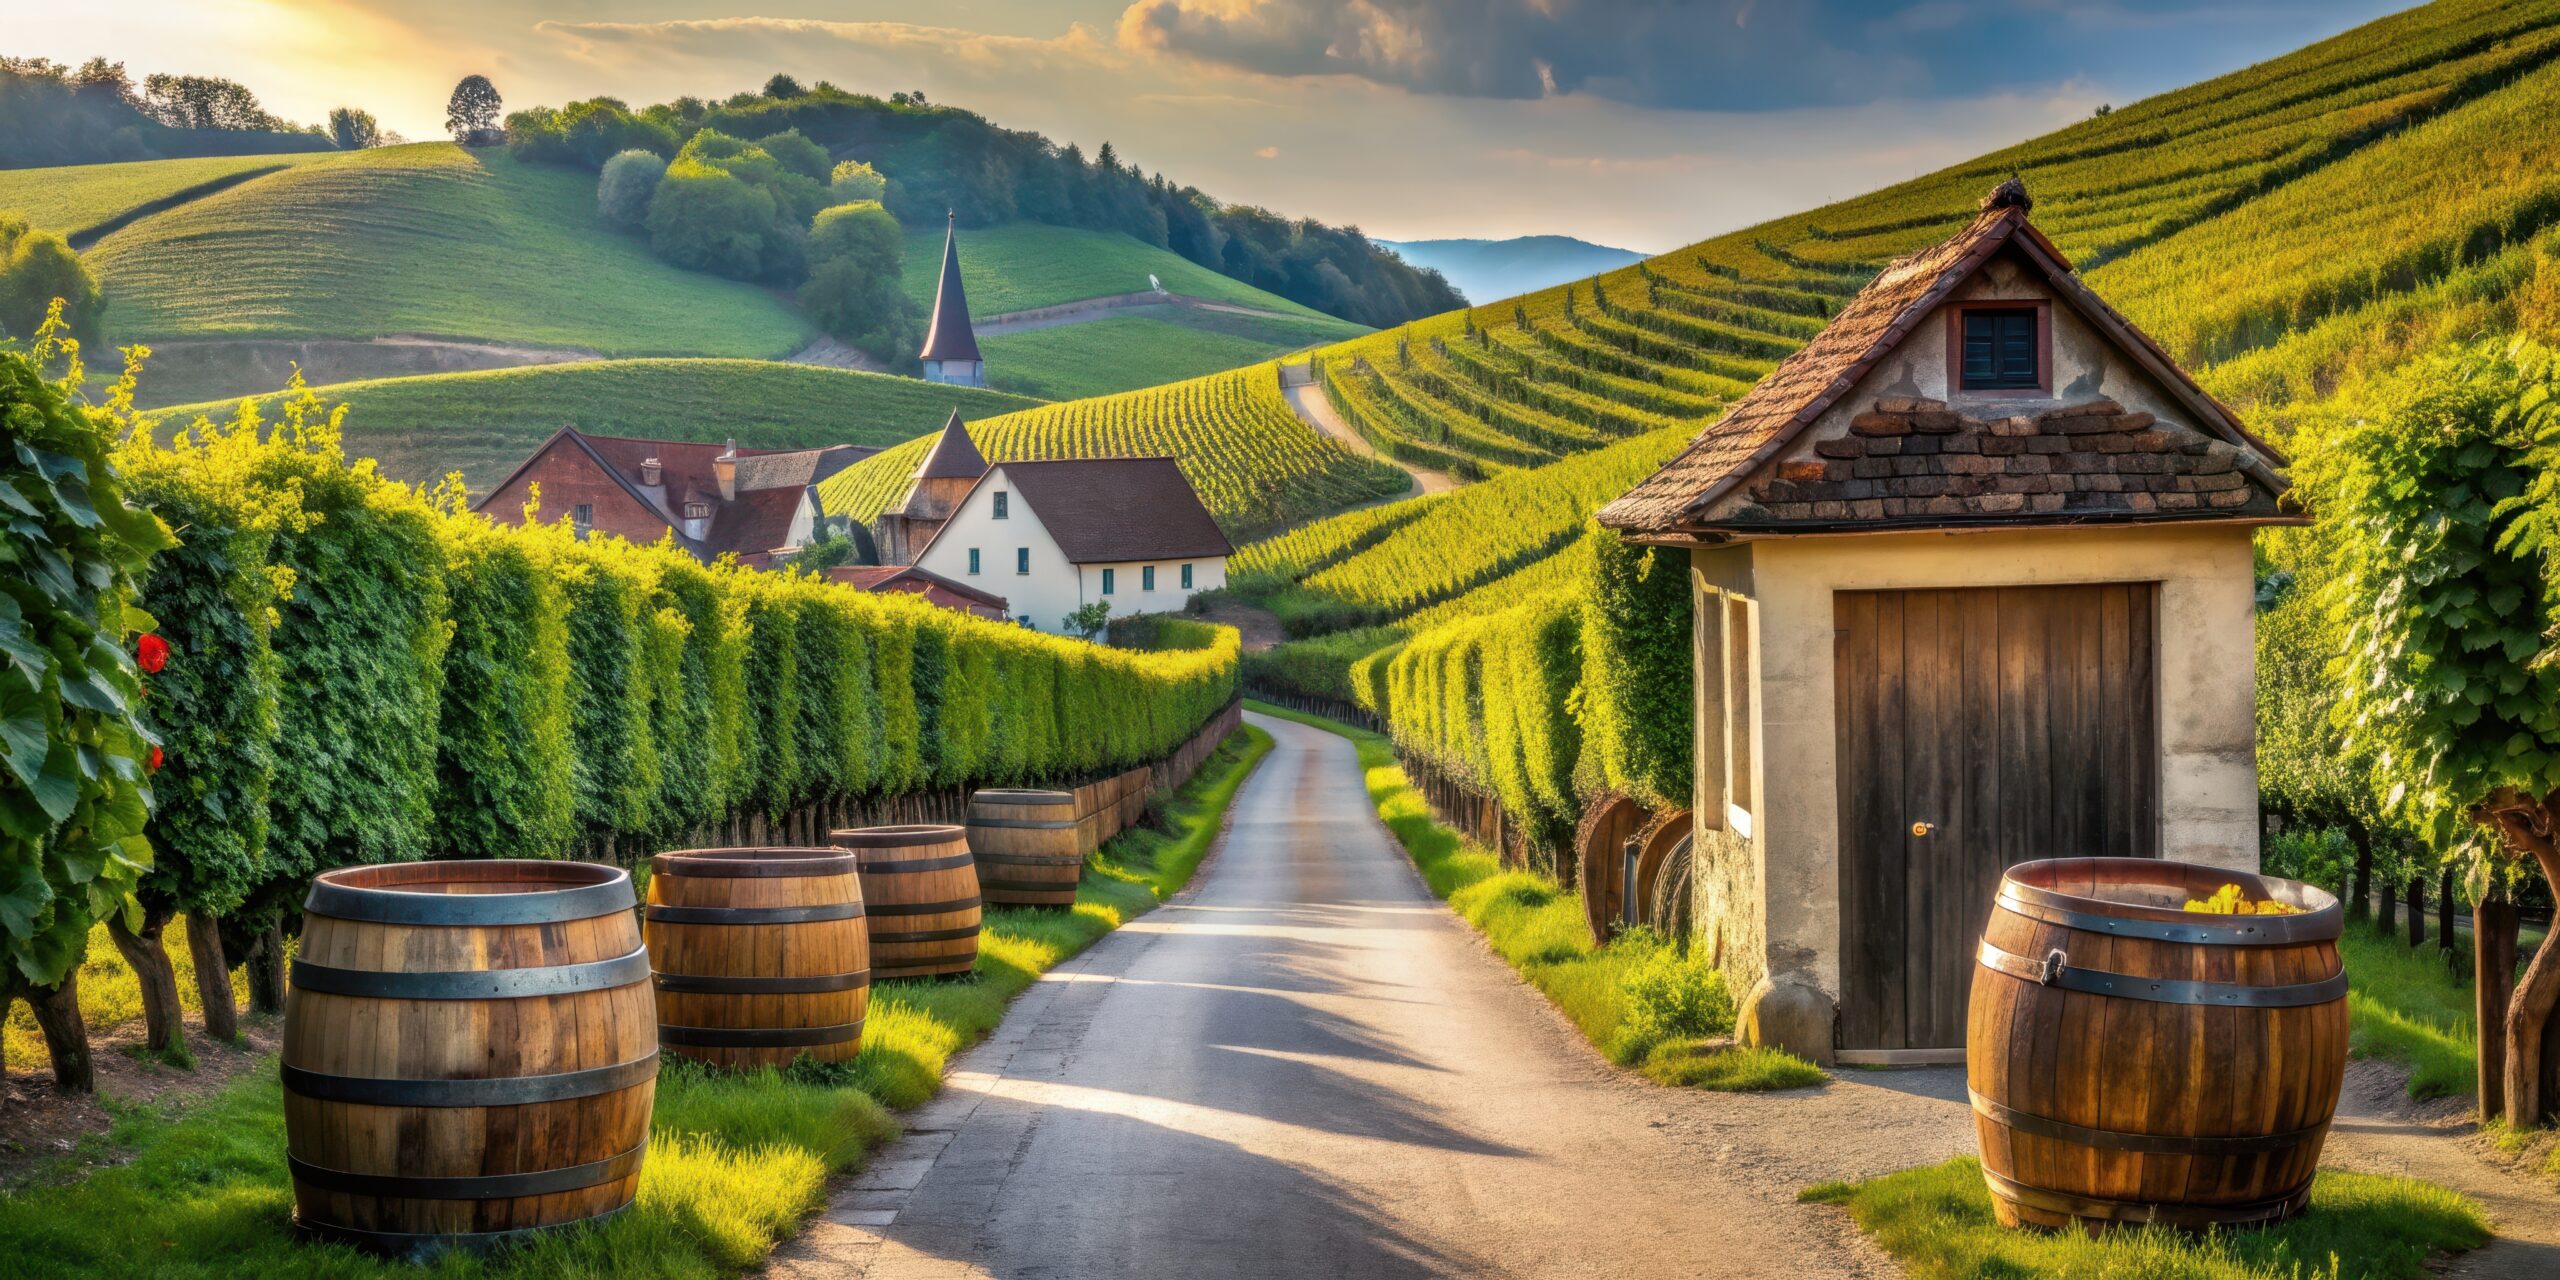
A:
903, 869
813, 949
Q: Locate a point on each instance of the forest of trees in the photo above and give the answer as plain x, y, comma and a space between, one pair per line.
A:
53, 114
941, 159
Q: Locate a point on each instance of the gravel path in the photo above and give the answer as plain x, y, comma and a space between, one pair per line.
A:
1307, 400
1305, 1065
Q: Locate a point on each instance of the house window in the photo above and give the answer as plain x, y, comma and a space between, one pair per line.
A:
1022, 559
1147, 578
1000, 504
1106, 582
697, 511
973, 561
2000, 350
1186, 577
583, 515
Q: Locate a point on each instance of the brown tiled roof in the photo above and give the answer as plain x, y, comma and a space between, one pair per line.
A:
1871, 325
949, 336
953, 454
797, 468
1102, 510
908, 577
769, 482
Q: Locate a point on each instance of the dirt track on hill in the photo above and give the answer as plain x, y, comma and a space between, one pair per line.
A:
1309, 403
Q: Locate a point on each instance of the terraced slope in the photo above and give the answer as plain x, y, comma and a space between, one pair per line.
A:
422, 239
2274, 228
483, 424
1023, 265
1256, 466
81, 200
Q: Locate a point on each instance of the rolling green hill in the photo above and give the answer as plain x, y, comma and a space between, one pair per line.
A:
81, 200
1022, 265
2279, 229
1146, 346
1255, 465
482, 424
422, 239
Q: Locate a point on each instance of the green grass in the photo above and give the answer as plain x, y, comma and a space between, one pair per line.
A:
2404, 1006
1255, 465
75, 199
1023, 265
423, 239
1539, 928
1937, 1221
109, 996
735, 1161
1141, 347
482, 424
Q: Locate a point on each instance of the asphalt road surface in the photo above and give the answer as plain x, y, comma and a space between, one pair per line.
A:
1307, 1066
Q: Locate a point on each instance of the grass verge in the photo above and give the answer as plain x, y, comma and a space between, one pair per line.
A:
1640, 1000
2404, 1006
735, 1161
1937, 1221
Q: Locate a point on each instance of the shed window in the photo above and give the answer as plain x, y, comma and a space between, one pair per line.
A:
1147, 578
2000, 350
1186, 577
1106, 582
583, 515
973, 561
1022, 559
1000, 507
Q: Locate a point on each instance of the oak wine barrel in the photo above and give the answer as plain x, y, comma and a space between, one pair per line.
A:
759, 955
1028, 845
2130, 1061
1601, 861
469, 1053
920, 895
1660, 838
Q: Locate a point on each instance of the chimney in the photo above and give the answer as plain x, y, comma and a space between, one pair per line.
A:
726, 468
652, 475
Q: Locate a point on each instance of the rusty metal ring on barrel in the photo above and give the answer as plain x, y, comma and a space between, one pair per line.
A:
2164, 1144
709, 984
1035, 859
927, 935
758, 1037
497, 1091
391, 905
2236, 995
2199, 928
719, 864
824, 911
969, 903
486, 1186
473, 984
944, 863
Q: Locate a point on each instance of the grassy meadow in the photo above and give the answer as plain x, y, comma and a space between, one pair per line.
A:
1140, 347
1023, 265
78, 200
426, 239
735, 1162
482, 424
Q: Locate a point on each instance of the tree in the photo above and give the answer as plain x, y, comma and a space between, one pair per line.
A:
1088, 620
2448, 520
707, 219
471, 114
75, 757
354, 130
797, 154
853, 181
624, 189
856, 256
37, 268
782, 86
206, 102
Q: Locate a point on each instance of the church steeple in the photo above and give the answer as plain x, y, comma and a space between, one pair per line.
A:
950, 349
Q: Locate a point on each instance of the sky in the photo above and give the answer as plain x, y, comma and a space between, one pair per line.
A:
1646, 124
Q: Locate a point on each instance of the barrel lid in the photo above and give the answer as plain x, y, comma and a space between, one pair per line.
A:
2146, 897
745, 863
895, 837
1008, 795
491, 891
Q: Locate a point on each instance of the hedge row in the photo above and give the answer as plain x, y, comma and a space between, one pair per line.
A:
364, 672
1550, 702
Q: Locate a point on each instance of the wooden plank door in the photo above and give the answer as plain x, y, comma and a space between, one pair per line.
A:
1978, 729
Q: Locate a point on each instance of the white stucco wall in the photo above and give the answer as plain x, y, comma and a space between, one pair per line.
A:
1054, 587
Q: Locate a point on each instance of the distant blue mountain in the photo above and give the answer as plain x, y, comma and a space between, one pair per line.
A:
1491, 270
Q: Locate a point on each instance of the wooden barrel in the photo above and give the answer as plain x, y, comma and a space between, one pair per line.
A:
2131, 1061
920, 894
1133, 800
1028, 846
760, 955
1090, 816
1659, 838
469, 1053
1600, 845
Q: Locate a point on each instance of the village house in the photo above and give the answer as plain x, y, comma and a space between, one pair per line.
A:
759, 504
935, 588
950, 353
1973, 585
1060, 533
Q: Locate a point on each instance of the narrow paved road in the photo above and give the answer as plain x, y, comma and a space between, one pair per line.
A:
1306, 1066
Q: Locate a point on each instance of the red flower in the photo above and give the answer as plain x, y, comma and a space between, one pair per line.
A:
151, 653
155, 759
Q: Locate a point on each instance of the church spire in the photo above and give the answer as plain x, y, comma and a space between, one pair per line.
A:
950, 349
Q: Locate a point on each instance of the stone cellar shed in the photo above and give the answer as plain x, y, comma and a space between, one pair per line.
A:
1973, 586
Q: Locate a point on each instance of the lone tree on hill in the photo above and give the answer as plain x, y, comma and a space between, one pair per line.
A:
783, 86
354, 130
471, 114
